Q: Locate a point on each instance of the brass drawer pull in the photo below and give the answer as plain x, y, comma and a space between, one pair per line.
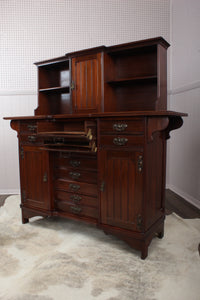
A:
74, 175
74, 163
120, 141
32, 138
75, 209
120, 126
32, 127
59, 140
75, 198
74, 187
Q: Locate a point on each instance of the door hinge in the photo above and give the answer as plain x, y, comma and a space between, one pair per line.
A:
140, 163
45, 177
139, 222
102, 187
72, 85
22, 152
23, 196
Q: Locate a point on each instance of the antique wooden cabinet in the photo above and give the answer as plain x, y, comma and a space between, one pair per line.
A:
95, 149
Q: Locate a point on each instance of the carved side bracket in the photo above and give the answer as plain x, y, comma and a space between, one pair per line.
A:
175, 122
164, 124
156, 124
14, 125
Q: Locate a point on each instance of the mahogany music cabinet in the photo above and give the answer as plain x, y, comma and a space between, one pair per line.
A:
95, 149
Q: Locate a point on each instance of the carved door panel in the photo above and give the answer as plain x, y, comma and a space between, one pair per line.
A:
34, 177
86, 83
121, 189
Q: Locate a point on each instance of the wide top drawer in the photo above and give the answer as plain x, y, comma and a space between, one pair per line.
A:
117, 126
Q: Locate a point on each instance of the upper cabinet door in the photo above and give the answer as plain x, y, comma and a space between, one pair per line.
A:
86, 84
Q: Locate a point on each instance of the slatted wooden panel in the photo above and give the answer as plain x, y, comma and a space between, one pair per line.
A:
121, 201
86, 76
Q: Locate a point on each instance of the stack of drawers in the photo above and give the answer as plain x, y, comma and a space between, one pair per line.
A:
75, 178
123, 133
28, 131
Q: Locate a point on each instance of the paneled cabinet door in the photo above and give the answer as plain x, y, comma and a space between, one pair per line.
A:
122, 189
34, 177
86, 83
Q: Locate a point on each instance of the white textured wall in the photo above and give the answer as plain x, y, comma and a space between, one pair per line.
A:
33, 30
184, 146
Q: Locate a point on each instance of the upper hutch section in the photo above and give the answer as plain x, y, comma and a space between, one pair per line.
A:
126, 77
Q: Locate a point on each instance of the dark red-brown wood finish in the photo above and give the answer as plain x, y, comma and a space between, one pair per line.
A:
95, 150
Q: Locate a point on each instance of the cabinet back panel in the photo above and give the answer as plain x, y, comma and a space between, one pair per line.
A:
140, 96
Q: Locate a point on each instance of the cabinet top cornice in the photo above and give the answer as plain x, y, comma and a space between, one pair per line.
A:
110, 49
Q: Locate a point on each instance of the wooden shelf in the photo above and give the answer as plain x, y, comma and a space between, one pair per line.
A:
132, 79
57, 89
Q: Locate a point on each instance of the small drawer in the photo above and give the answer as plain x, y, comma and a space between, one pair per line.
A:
75, 199
67, 160
76, 187
78, 210
121, 141
136, 126
76, 175
28, 127
30, 139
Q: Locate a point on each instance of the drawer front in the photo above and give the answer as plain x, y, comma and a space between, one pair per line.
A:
28, 127
76, 187
76, 175
121, 141
66, 160
118, 126
75, 199
77, 210
31, 139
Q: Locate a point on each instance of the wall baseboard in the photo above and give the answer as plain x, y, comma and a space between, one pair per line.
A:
17, 92
185, 88
9, 192
188, 198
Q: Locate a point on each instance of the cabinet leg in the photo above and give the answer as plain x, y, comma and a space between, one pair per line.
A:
25, 220
144, 251
161, 234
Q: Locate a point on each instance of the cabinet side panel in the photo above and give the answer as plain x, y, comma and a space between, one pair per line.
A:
155, 179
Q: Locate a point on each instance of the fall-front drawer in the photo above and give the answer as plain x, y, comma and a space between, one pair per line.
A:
77, 187
73, 198
121, 140
80, 210
135, 126
76, 175
68, 160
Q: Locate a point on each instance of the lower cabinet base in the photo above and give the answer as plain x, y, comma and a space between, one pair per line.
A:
137, 240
